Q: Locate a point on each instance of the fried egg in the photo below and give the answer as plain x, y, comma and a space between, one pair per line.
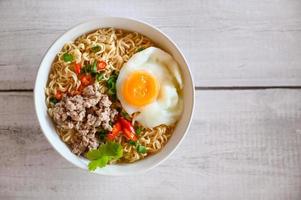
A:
150, 84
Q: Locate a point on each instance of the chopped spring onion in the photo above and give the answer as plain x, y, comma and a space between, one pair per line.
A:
67, 57
96, 48
141, 149
131, 142
86, 69
102, 134
103, 155
94, 68
138, 130
126, 115
111, 83
53, 100
99, 76
140, 49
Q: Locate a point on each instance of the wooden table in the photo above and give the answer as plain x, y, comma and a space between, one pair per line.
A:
245, 138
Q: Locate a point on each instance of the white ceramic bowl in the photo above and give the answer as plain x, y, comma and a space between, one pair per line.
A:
163, 42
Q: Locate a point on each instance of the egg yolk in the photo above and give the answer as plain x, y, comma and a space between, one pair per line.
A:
140, 88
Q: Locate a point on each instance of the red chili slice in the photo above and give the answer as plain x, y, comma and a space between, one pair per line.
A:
115, 131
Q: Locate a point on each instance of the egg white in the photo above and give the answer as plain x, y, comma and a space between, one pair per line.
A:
168, 106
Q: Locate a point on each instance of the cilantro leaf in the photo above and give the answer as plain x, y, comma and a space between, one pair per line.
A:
104, 154
94, 154
112, 149
101, 162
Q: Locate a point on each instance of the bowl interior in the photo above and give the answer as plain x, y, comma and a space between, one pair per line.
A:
128, 24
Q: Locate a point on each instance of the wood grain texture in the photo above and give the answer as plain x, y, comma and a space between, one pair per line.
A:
228, 43
241, 145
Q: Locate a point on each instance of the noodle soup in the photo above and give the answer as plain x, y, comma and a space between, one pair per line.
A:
114, 96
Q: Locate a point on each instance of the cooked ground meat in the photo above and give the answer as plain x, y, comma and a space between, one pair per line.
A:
85, 114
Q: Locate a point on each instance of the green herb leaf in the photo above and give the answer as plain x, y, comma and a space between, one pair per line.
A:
131, 142
141, 149
140, 49
104, 154
67, 57
94, 154
53, 100
101, 162
96, 48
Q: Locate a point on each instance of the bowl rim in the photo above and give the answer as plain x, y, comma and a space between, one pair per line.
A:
191, 112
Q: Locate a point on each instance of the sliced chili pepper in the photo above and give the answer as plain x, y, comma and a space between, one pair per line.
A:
58, 95
115, 131
129, 135
86, 79
77, 68
101, 65
78, 90
126, 124
127, 129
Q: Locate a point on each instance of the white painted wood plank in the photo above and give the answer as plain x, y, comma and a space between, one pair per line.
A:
241, 145
228, 43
